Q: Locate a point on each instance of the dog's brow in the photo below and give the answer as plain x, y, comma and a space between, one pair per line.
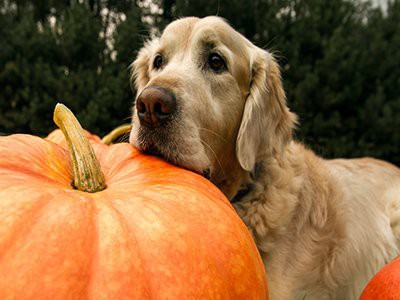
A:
209, 38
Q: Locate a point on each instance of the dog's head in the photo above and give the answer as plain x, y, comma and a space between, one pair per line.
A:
208, 100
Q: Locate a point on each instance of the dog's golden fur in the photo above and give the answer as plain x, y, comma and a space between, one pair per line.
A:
323, 227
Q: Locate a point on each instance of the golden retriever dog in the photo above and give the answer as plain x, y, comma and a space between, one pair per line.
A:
210, 101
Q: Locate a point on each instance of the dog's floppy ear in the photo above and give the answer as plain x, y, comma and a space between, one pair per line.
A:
267, 123
141, 67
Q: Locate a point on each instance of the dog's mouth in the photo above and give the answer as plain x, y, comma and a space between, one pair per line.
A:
152, 150
174, 158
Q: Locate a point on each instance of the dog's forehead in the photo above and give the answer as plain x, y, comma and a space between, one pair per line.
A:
187, 30
178, 31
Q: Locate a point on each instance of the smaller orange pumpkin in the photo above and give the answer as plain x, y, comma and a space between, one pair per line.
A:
385, 285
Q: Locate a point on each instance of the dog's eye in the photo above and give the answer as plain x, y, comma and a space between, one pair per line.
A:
216, 62
158, 62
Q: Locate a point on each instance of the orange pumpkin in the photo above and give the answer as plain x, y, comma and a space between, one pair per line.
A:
155, 232
385, 285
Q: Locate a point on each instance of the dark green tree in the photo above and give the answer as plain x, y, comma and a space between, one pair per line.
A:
77, 53
339, 59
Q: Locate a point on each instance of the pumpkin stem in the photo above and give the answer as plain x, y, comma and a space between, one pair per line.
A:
122, 130
87, 173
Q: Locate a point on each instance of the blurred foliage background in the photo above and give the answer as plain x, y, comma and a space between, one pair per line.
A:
340, 62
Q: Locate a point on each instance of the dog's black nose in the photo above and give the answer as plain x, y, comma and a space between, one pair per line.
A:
155, 106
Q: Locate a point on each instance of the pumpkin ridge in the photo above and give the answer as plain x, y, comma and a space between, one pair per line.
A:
132, 236
150, 205
25, 144
52, 255
213, 262
119, 161
36, 210
99, 257
24, 175
88, 289
169, 181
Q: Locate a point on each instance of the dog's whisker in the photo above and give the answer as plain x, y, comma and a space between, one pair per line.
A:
214, 154
214, 133
124, 137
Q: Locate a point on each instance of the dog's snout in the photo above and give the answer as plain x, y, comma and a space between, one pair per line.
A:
155, 106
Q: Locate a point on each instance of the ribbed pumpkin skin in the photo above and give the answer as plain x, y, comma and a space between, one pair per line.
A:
385, 285
156, 232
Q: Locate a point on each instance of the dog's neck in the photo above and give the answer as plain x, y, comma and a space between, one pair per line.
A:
239, 182
233, 185
240, 187
247, 184
270, 193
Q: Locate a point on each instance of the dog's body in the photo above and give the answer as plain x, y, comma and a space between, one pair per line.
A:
212, 102
323, 227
